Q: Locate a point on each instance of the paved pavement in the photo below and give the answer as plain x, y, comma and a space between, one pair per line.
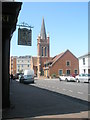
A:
30, 102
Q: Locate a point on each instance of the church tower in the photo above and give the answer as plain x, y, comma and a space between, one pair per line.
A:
43, 52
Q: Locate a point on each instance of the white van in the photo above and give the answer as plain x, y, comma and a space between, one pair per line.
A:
28, 76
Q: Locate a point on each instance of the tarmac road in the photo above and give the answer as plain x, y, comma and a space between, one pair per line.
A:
29, 101
73, 89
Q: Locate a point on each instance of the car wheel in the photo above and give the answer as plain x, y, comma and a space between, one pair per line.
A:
89, 81
66, 79
21, 81
77, 80
32, 81
60, 79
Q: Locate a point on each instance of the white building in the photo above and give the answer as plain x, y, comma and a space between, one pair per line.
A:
84, 63
23, 63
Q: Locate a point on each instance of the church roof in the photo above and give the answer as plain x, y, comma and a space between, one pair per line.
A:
43, 31
55, 58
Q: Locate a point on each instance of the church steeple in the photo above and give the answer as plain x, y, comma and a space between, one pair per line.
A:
43, 49
43, 31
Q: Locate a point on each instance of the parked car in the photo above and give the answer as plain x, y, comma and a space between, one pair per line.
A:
15, 76
20, 75
83, 78
74, 75
28, 77
67, 78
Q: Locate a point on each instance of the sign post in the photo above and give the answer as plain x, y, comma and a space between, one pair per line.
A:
24, 35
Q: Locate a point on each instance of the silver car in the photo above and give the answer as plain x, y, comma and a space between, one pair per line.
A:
83, 78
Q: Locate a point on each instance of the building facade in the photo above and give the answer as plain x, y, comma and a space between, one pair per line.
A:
64, 63
84, 64
23, 63
19, 64
13, 65
34, 64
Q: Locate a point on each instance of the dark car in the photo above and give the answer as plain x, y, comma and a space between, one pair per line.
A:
16, 76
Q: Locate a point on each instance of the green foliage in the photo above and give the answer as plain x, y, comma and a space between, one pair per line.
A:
53, 75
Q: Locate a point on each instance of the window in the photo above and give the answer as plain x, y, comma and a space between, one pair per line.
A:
45, 51
68, 72
18, 66
60, 72
83, 61
68, 63
28, 61
84, 70
76, 72
42, 51
22, 60
28, 65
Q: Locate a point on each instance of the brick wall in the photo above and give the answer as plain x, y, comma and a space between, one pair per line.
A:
61, 64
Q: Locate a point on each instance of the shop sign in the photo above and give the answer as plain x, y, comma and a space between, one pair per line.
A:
24, 36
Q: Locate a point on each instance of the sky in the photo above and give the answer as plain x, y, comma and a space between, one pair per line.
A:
66, 23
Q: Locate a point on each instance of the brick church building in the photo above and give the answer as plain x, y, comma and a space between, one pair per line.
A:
43, 52
44, 65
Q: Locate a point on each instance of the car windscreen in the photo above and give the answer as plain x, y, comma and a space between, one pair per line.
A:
88, 75
27, 76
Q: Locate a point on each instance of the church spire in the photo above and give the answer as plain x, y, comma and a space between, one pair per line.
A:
43, 31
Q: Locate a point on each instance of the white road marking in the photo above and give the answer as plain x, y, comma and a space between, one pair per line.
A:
79, 92
70, 91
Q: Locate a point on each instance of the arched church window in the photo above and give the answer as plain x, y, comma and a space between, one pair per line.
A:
42, 51
45, 51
